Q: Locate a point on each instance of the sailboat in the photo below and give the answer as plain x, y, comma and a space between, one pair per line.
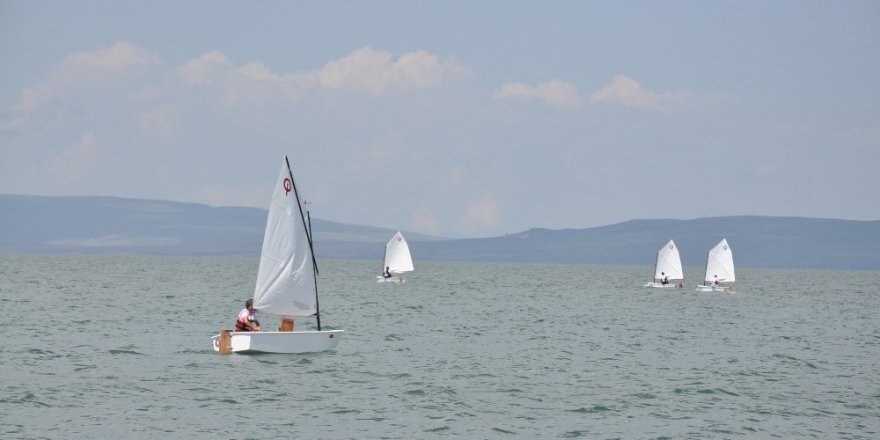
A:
668, 267
397, 260
286, 280
719, 269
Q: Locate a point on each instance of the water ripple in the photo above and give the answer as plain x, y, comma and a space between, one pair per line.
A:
460, 350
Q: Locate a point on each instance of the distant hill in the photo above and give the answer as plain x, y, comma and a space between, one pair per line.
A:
782, 242
34, 224
110, 225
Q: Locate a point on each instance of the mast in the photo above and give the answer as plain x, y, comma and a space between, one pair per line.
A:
657, 263
308, 227
706, 268
315, 265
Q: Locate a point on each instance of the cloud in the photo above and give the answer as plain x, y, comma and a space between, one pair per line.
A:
206, 69
253, 81
375, 73
622, 91
425, 220
99, 66
629, 93
481, 213
554, 93
364, 71
76, 161
31, 100
122, 55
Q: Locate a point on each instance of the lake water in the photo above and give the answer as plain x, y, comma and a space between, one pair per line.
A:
120, 347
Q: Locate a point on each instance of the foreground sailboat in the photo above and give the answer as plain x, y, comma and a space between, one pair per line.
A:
720, 275
397, 260
286, 281
667, 270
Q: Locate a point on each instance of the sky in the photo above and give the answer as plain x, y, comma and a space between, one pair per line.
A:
454, 118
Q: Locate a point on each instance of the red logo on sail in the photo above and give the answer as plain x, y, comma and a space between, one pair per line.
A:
287, 186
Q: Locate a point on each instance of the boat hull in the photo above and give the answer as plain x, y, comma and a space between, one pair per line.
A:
281, 342
728, 289
664, 286
394, 279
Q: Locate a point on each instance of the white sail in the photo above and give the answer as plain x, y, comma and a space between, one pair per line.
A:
719, 263
397, 256
286, 278
668, 263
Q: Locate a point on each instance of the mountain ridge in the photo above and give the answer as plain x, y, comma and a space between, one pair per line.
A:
113, 225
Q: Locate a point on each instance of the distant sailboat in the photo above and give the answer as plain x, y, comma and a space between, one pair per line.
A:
668, 268
397, 260
720, 274
286, 281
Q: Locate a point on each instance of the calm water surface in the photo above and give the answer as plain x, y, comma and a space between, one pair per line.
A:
119, 347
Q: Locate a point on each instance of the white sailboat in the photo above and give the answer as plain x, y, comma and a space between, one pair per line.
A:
667, 267
720, 275
286, 281
397, 260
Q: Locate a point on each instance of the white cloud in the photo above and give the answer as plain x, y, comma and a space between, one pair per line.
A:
206, 69
98, 66
555, 93
31, 100
121, 55
629, 93
375, 73
364, 71
75, 161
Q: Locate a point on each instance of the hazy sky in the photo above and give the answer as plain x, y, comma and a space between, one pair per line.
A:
456, 118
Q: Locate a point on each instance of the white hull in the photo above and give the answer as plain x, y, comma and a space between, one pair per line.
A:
670, 285
281, 342
722, 288
395, 279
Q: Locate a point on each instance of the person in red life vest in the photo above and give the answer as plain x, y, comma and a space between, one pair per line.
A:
247, 319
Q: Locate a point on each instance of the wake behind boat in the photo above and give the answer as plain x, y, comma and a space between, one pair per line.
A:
720, 274
286, 281
667, 269
397, 260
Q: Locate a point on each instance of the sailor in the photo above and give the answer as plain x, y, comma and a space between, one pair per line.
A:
247, 318
664, 279
387, 273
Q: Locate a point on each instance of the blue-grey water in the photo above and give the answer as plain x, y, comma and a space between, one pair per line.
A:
119, 347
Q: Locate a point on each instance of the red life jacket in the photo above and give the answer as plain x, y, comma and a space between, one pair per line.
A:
241, 321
